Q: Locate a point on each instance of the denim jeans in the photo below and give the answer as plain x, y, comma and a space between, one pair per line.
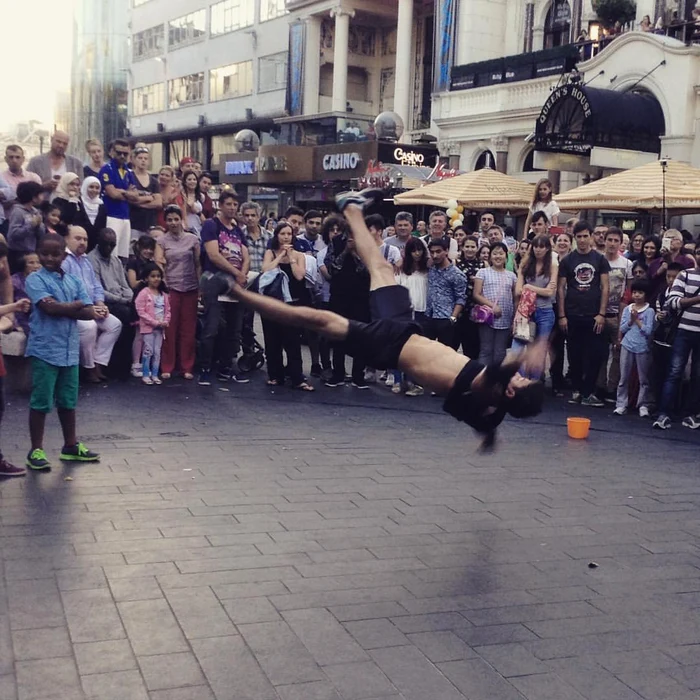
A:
226, 340
627, 361
685, 343
493, 344
544, 320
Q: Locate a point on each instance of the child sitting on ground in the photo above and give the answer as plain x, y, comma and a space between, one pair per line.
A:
153, 308
636, 328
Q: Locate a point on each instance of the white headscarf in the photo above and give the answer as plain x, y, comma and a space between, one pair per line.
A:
91, 204
62, 187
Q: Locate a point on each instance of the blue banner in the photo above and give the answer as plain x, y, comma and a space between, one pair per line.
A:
445, 22
295, 78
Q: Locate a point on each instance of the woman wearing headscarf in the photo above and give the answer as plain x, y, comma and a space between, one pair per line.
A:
67, 197
86, 210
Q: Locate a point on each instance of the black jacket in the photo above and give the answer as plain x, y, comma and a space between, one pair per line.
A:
73, 214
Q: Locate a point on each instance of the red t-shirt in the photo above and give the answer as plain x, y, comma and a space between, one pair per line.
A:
2, 366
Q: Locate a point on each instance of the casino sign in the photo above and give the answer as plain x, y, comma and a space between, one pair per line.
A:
576, 118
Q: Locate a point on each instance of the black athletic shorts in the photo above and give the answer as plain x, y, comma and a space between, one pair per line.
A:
464, 406
379, 343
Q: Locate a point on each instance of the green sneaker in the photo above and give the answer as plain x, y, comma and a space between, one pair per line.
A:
78, 453
36, 459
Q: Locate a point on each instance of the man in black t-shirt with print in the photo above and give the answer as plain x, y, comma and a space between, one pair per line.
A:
583, 291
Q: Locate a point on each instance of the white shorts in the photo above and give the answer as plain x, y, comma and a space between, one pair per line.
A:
122, 227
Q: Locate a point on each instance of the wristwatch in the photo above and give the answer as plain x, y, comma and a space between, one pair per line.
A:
453, 319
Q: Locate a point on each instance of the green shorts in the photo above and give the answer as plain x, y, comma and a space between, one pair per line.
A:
53, 386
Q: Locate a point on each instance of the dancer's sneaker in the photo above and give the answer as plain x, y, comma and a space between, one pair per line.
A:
204, 377
415, 390
364, 199
644, 413
692, 422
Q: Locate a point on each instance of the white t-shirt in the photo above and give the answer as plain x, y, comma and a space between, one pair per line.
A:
620, 273
417, 285
551, 209
325, 284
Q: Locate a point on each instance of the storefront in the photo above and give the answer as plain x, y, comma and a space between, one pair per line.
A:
311, 176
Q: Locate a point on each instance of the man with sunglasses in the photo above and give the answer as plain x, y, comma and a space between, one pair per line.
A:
118, 193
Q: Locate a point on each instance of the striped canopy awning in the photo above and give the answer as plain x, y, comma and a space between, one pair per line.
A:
639, 189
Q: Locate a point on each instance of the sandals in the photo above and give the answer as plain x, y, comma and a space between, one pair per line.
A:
304, 386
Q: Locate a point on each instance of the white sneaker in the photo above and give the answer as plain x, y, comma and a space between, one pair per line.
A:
692, 422
643, 412
389, 381
136, 371
396, 388
371, 376
415, 390
620, 411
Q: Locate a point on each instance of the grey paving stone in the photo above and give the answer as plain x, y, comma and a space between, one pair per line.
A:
170, 671
245, 610
324, 636
117, 685
545, 686
92, 615
367, 611
48, 678
478, 680
126, 589
511, 660
442, 646
8, 687
35, 604
104, 657
280, 653
200, 692
317, 690
592, 680
373, 634
232, 671
199, 613
413, 675
359, 680
44, 643
151, 627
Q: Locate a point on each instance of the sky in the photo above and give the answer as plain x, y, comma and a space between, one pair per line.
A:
38, 33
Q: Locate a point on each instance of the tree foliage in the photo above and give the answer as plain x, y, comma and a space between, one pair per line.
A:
611, 11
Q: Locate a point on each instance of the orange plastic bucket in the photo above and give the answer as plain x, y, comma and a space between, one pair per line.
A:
578, 427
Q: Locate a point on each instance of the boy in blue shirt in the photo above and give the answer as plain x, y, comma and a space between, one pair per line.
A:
59, 300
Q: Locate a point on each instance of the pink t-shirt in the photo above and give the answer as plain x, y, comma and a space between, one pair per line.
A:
180, 271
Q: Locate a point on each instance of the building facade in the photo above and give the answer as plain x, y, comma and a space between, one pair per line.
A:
202, 70
544, 87
98, 96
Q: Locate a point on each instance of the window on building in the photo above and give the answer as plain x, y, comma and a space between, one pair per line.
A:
149, 42
148, 99
269, 9
557, 25
235, 80
229, 15
187, 29
272, 72
186, 90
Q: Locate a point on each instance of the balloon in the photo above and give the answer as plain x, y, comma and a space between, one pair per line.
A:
452, 203
460, 218
451, 213
460, 208
454, 222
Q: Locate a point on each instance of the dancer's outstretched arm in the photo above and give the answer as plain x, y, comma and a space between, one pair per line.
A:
326, 323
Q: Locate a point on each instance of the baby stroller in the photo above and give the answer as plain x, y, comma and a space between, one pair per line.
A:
252, 358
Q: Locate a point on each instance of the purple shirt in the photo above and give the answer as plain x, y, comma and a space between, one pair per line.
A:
180, 270
231, 244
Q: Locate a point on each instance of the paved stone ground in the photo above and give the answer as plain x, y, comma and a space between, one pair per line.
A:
246, 545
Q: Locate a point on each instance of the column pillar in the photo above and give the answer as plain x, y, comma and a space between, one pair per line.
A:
500, 145
340, 57
312, 65
402, 74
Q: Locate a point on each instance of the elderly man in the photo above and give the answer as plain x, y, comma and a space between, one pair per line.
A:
51, 166
97, 338
495, 235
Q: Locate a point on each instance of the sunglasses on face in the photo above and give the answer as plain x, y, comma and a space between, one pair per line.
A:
124, 154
